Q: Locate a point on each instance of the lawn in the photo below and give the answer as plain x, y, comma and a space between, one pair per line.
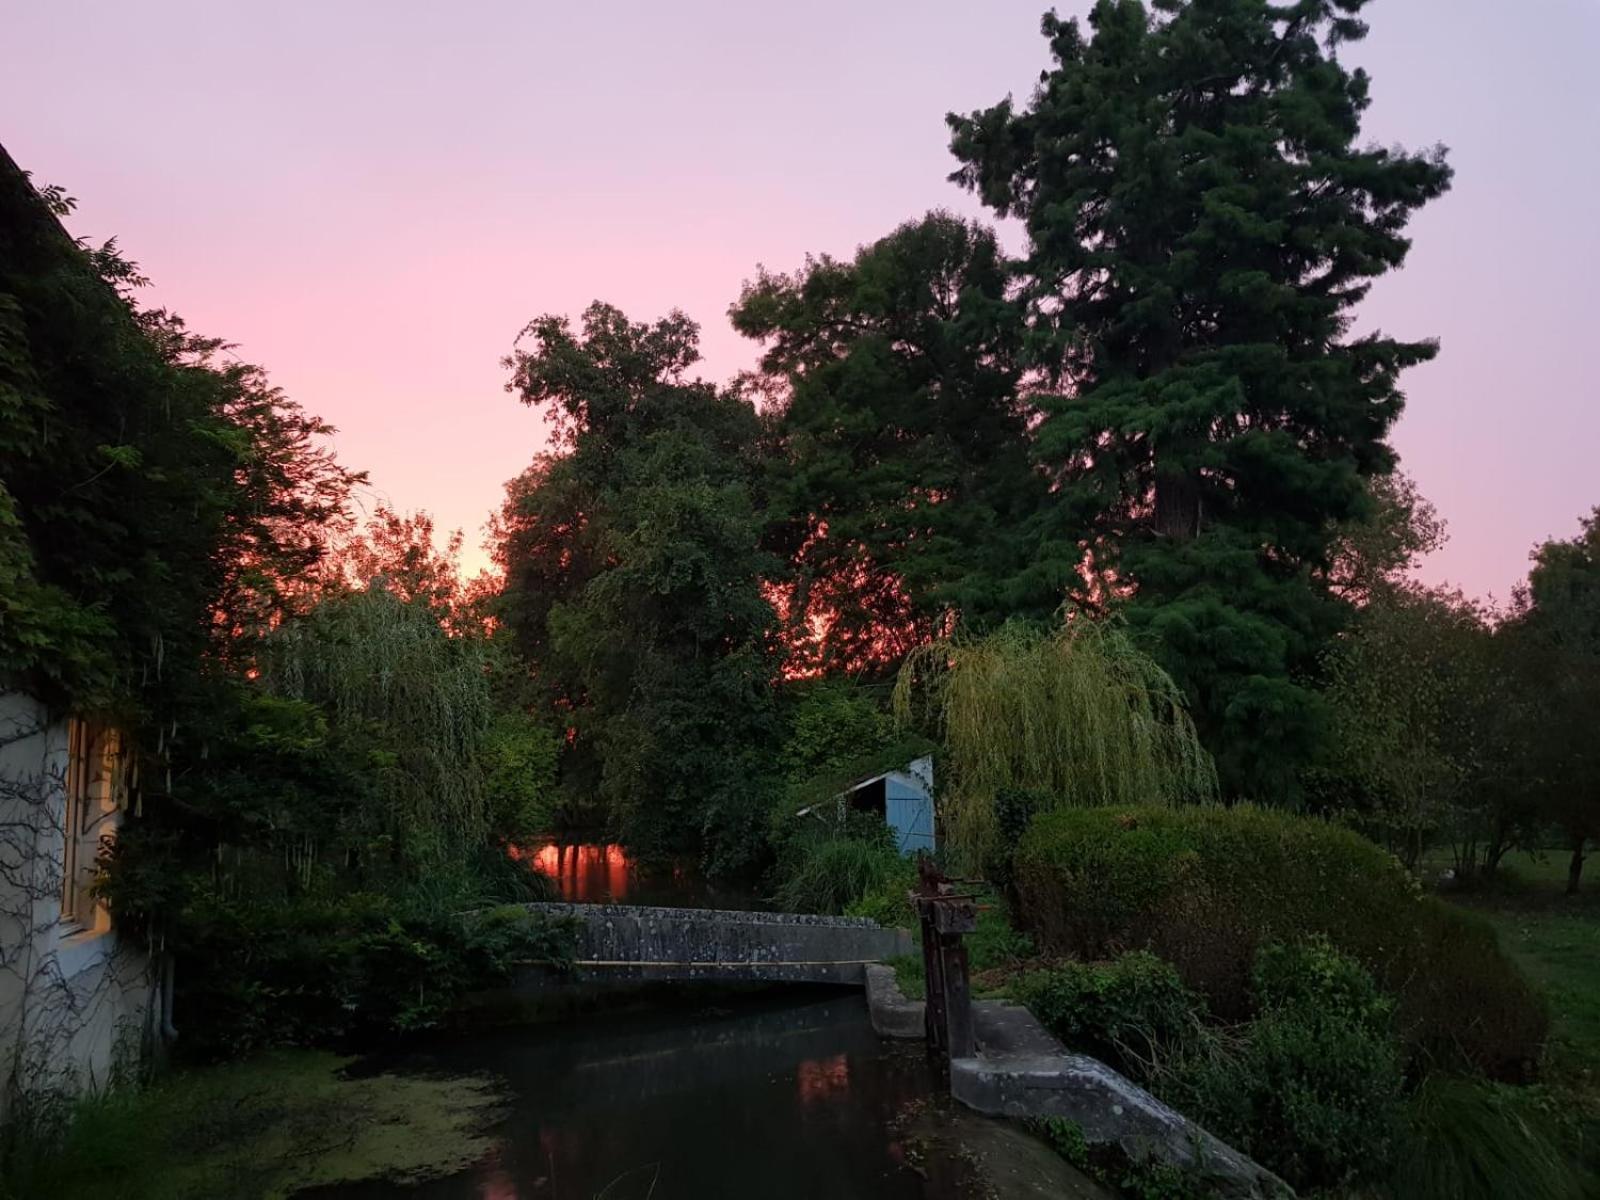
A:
1556, 940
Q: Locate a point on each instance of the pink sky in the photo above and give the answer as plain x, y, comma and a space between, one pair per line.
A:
372, 197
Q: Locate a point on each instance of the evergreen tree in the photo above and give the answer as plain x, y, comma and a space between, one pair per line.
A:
1202, 224
902, 482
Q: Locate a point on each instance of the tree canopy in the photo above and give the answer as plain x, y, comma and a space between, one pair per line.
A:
160, 504
633, 574
902, 484
1202, 222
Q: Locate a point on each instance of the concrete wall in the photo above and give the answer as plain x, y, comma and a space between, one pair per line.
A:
75, 1002
635, 942
1020, 1070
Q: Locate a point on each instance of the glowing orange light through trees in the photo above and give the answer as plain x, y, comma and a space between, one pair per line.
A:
584, 873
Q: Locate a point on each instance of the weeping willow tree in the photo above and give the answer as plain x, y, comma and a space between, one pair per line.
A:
1078, 715
373, 662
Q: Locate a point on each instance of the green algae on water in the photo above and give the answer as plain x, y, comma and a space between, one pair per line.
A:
264, 1130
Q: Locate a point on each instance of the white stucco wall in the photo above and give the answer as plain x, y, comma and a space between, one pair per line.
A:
75, 1001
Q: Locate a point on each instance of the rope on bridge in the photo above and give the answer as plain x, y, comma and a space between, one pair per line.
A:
633, 962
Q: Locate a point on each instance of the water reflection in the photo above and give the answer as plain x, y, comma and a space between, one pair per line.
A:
584, 873
605, 873
791, 1100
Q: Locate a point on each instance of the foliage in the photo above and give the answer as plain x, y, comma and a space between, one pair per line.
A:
1203, 222
1146, 1180
1427, 724
320, 971
997, 943
400, 553
1077, 715
831, 726
158, 504
1388, 542
1133, 1011
825, 868
1205, 888
1555, 629
377, 663
263, 1130
633, 579
1468, 1140
519, 765
1312, 1086
901, 478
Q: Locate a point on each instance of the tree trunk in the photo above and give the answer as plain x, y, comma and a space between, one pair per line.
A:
1492, 854
1575, 867
1177, 507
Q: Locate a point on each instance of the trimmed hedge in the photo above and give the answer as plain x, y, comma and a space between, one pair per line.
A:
1206, 887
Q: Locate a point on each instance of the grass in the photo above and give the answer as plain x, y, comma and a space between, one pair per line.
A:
257, 1130
1555, 938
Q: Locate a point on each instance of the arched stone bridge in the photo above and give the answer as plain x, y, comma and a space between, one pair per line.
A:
625, 942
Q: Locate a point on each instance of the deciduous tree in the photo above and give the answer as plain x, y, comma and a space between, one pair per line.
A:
654, 638
902, 490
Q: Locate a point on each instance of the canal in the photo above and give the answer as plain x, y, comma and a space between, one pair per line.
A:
786, 1098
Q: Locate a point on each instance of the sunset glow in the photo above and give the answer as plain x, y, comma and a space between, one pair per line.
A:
374, 225
583, 873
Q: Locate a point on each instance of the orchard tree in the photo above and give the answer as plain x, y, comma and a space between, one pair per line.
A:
902, 489
1202, 223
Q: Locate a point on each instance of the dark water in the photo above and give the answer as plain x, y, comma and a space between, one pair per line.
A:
790, 1099
605, 873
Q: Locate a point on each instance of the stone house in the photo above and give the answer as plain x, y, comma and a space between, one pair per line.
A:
78, 1003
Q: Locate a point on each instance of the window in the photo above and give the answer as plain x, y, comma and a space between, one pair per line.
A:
94, 788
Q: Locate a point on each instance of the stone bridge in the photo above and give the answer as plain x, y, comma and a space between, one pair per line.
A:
625, 942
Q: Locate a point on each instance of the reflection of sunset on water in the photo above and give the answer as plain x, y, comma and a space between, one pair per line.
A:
584, 873
819, 1080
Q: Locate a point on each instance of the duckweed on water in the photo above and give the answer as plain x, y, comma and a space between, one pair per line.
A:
260, 1130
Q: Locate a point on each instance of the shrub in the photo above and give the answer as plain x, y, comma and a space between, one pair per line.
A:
997, 942
1205, 888
1474, 1141
317, 972
1134, 1011
1110, 1165
1461, 1001
1312, 1087
1313, 977
888, 904
829, 870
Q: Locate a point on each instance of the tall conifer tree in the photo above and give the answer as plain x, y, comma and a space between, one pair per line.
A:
1203, 222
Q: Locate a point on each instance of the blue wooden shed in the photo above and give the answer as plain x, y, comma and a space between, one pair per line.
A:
904, 799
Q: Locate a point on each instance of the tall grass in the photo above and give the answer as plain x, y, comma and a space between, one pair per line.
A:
828, 872
1476, 1141
1078, 715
